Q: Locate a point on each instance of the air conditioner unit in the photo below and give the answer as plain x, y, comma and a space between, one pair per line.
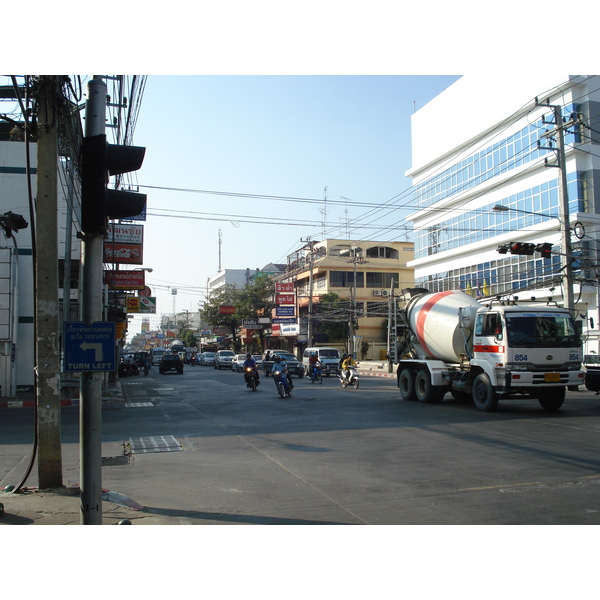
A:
376, 292
384, 293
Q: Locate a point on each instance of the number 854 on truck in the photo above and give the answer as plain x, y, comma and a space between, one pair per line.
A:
450, 342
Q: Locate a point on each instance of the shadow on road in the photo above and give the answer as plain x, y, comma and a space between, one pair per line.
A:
235, 518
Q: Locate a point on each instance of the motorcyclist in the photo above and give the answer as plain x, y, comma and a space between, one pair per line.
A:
251, 363
346, 364
313, 364
280, 365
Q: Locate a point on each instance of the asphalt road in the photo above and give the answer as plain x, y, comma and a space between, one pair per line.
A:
329, 455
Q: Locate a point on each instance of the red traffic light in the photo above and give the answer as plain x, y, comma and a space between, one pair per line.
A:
545, 249
521, 248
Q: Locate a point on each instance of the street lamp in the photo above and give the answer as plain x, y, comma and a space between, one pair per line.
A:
565, 257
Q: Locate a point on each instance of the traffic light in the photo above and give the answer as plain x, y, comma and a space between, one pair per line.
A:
521, 248
545, 249
99, 204
503, 248
10, 222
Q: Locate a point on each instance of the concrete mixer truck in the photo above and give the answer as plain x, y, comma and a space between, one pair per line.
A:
450, 342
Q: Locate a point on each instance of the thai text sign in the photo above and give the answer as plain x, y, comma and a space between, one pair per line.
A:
285, 299
125, 280
284, 288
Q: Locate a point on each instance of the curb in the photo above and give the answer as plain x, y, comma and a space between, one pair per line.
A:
111, 395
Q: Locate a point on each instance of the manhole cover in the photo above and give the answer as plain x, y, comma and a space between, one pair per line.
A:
155, 443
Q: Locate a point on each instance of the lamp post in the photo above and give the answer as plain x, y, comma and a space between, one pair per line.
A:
565, 257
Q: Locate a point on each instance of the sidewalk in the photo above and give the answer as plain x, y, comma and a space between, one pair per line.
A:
61, 506
375, 368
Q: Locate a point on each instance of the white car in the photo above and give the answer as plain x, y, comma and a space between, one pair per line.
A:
237, 362
223, 359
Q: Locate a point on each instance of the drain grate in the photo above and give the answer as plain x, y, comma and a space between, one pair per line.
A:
155, 443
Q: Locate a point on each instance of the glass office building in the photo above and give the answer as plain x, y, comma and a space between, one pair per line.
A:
487, 141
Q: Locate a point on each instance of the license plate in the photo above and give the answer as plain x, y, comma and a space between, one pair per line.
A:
552, 378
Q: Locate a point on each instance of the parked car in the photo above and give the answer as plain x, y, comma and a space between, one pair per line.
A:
207, 359
223, 359
170, 362
237, 362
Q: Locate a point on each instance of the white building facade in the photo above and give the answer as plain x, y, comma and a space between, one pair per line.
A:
485, 141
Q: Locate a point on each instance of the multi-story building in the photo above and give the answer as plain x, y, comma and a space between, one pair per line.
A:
16, 263
362, 272
484, 171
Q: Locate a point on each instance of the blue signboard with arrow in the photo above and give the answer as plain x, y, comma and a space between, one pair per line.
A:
89, 347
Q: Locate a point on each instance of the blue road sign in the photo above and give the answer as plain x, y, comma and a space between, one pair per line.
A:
89, 347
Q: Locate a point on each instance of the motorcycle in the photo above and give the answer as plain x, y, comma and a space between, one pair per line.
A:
128, 369
283, 386
315, 374
251, 378
352, 380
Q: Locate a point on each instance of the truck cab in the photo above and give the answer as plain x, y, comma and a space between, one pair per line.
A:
533, 350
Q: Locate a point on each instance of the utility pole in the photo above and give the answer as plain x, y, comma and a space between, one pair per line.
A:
90, 409
46, 287
309, 331
565, 229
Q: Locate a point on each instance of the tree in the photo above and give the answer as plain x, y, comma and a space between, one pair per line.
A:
256, 299
210, 313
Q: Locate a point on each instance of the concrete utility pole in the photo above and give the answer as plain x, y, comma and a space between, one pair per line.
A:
47, 362
90, 406
565, 226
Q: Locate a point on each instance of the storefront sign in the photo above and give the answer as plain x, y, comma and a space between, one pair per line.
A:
284, 288
125, 280
285, 299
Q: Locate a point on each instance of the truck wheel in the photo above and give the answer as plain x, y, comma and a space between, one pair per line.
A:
406, 383
484, 394
552, 398
424, 391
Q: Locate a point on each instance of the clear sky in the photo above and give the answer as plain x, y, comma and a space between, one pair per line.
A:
330, 149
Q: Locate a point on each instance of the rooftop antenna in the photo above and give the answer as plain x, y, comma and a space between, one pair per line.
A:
220, 244
324, 213
347, 217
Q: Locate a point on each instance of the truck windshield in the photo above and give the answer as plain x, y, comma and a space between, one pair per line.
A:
537, 330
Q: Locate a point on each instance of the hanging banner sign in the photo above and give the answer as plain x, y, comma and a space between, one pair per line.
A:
285, 299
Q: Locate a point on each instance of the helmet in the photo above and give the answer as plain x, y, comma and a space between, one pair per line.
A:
248, 355
275, 357
313, 353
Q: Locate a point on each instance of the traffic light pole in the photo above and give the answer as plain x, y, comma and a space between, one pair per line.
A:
90, 410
